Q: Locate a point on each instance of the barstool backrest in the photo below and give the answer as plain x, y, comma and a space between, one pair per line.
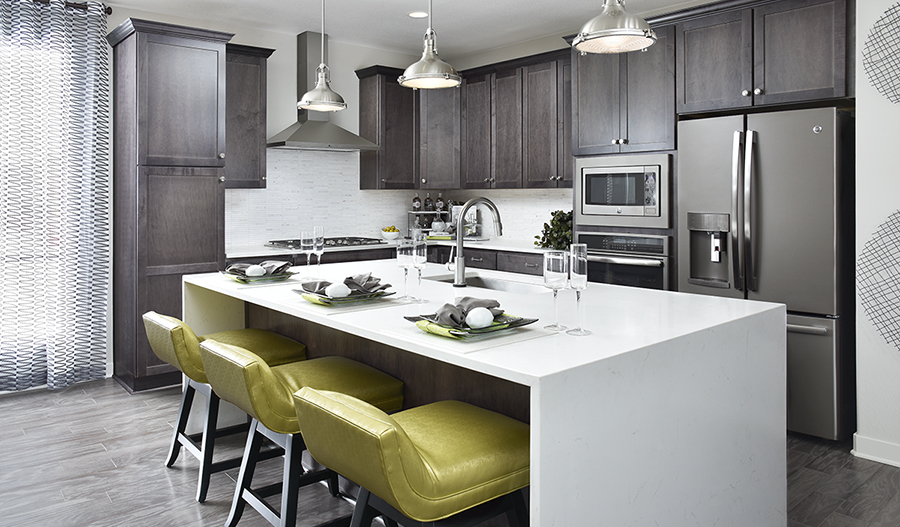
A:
243, 379
365, 445
175, 343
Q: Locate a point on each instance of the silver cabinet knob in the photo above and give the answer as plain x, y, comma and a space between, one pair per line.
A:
758, 91
487, 179
615, 141
623, 141
222, 179
746, 93
222, 155
423, 180
263, 178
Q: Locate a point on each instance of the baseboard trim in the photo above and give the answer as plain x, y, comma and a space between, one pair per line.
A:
876, 450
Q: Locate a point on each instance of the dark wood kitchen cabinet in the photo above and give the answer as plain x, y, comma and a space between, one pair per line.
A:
506, 129
439, 138
773, 53
546, 134
168, 215
387, 117
179, 93
625, 102
475, 155
245, 116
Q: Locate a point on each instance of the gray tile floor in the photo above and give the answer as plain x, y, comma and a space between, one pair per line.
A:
92, 455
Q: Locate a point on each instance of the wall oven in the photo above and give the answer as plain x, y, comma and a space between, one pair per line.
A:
626, 191
628, 259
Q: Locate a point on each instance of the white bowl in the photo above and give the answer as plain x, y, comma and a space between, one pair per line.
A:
390, 235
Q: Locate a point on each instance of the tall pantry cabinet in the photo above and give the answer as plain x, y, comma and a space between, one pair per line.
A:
168, 180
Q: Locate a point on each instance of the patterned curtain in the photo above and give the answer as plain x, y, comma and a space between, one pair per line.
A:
54, 193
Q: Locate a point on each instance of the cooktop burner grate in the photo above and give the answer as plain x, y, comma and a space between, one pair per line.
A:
341, 241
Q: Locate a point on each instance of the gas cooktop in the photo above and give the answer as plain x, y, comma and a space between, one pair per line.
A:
342, 241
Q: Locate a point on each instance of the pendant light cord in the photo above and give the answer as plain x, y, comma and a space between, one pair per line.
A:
430, 24
323, 33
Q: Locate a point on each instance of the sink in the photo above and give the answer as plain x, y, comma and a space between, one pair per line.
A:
496, 284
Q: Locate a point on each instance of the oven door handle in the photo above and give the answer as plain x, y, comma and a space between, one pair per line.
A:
640, 262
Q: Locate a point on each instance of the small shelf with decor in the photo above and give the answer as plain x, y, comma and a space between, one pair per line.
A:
426, 218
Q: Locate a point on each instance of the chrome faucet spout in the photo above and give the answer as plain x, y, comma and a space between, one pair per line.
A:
459, 278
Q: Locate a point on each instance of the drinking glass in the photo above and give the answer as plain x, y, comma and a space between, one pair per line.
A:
578, 264
307, 245
319, 245
405, 260
420, 258
556, 274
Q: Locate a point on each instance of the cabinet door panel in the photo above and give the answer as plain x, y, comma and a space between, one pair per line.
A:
540, 125
439, 134
245, 120
507, 129
181, 108
595, 99
714, 62
476, 151
649, 101
183, 219
564, 124
799, 51
397, 139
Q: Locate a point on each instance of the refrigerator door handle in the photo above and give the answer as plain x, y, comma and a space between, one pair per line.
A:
749, 217
809, 330
736, 184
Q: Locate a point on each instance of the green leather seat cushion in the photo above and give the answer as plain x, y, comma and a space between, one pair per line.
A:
429, 462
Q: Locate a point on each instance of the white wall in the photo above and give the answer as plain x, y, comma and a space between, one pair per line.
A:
878, 196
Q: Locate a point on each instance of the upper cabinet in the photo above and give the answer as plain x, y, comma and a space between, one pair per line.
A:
475, 158
245, 118
506, 129
387, 117
439, 138
625, 102
181, 94
781, 52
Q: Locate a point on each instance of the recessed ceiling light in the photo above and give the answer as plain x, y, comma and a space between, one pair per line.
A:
418, 14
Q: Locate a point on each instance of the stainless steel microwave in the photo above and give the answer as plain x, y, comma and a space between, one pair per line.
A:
627, 191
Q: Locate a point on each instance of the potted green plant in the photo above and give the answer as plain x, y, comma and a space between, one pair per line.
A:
558, 233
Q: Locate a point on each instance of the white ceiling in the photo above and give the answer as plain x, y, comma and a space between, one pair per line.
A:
463, 27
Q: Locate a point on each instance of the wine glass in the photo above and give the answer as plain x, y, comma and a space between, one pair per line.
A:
318, 245
307, 244
578, 264
405, 260
420, 258
556, 274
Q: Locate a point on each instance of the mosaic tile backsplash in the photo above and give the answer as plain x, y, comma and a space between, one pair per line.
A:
306, 188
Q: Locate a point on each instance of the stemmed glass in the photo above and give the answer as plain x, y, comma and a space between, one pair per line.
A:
307, 245
578, 264
556, 274
420, 258
405, 260
318, 245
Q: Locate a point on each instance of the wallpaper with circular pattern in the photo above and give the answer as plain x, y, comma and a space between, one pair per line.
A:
878, 275
881, 54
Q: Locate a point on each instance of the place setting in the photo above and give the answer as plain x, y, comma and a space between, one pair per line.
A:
360, 291
268, 272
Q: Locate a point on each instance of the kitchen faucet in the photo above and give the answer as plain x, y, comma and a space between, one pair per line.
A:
459, 279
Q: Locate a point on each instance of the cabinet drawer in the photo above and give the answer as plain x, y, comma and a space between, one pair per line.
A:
480, 258
524, 263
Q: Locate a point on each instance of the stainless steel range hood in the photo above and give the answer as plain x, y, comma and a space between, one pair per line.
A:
313, 130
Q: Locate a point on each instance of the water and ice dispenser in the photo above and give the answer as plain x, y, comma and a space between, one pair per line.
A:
709, 249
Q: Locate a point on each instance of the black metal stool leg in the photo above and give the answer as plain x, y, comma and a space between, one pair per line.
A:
518, 516
184, 412
245, 477
363, 514
208, 444
293, 470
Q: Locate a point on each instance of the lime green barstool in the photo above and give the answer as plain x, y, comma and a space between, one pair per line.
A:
175, 343
265, 393
447, 463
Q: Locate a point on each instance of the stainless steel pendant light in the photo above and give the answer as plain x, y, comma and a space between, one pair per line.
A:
322, 98
614, 30
430, 71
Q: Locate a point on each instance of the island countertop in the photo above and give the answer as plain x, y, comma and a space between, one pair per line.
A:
674, 407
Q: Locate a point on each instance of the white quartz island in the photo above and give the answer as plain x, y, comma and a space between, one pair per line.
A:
671, 413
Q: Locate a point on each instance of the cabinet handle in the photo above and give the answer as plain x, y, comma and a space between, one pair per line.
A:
423, 180
623, 141
746, 93
263, 178
473, 259
758, 91
487, 179
222, 179
531, 265
222, 155
615, 141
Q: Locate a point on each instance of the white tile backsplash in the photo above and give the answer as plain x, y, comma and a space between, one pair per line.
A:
306, 188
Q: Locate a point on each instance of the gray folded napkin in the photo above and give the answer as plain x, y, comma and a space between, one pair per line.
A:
361, 284
272, 267
455, 314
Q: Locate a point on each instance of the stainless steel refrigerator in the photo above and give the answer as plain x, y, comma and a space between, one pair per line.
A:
765, 212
